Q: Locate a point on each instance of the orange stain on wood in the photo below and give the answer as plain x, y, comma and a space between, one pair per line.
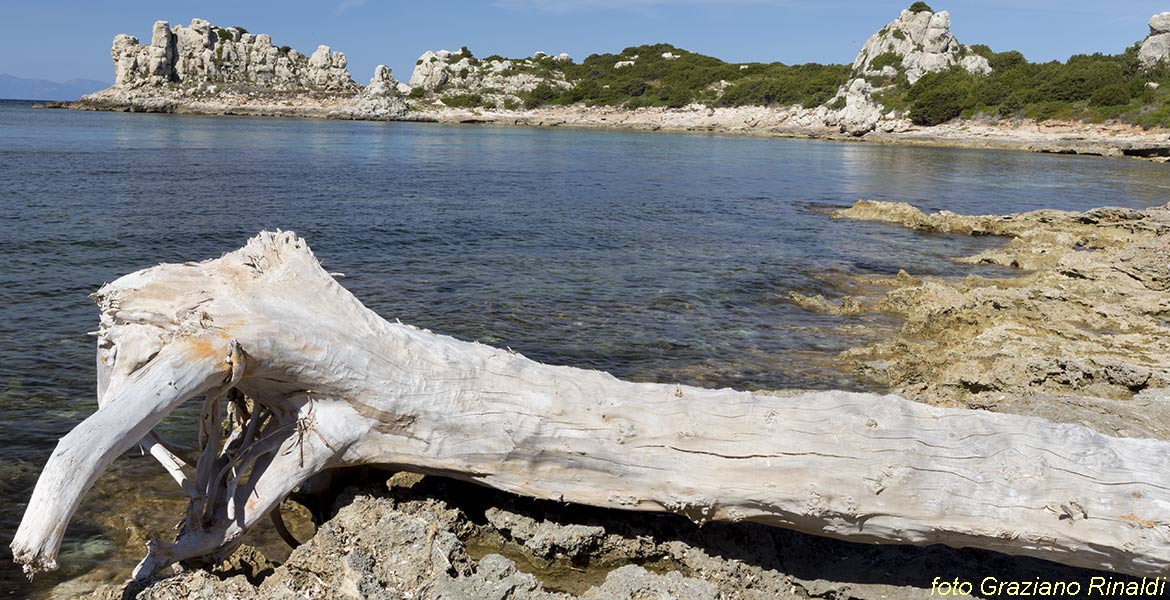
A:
1137, 521
202, 348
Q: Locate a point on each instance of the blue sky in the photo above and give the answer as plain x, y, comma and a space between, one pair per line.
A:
64, 39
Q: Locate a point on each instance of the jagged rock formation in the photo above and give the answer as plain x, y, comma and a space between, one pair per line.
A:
498, 81
914, 44
204, 55
1156, 47
381, 99
920, 43
204, 69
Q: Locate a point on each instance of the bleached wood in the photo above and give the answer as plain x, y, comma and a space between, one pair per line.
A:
333, 384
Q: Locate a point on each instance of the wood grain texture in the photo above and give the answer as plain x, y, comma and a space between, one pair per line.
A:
307, 379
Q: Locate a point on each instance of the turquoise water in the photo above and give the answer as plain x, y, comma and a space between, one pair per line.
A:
664, 257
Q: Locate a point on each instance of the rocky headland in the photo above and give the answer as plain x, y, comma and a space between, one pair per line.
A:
206, 69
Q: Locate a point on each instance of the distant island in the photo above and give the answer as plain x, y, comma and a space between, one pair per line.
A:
912, 82
21, 88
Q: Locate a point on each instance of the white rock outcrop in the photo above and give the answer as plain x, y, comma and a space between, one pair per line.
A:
914, 44
1156, 47
205, 55
382, 99
922, 43
445, 73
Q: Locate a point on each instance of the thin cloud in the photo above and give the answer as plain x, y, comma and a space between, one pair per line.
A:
347, 5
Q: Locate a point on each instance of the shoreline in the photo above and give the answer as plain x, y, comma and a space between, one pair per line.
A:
1074, 336
1052, 137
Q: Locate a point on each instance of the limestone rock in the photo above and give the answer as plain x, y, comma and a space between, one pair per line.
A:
428, 71
922, 43
202, 55
546, 540
1156, 47
443, 74
381, 100
914, 44
1160, 23
861, 111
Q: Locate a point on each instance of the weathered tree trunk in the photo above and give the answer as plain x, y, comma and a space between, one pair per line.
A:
331, 384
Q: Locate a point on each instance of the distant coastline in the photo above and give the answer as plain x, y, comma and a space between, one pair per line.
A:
911, 83
1056, 137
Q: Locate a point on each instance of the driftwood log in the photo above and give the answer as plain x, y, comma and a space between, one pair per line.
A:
297, 376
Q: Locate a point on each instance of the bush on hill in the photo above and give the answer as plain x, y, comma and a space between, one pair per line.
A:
1094, 87
1089, 87
664, 75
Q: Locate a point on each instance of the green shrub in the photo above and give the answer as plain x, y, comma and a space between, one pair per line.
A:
224, 35
1110, 95
886, 59
540, 95
284, 50
936, 106
1013, 105
939, 97
1045, 111
918, 7
417, 92
463, 100
898, 35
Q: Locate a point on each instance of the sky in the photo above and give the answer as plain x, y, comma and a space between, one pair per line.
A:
65, 39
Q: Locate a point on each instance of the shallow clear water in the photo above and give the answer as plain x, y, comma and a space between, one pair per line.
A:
663, 257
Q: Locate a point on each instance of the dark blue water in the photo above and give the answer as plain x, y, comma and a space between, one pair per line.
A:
663, 257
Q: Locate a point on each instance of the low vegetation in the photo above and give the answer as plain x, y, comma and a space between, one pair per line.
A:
664, 75
1092, 88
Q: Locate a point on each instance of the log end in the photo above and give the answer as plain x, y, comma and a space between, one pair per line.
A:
33, 560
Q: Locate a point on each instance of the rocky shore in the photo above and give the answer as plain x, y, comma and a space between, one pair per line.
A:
1115, 140
1079, 335
409, 536
1054, 137
1076, 334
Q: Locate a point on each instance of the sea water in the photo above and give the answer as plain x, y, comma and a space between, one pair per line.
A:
654, 256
